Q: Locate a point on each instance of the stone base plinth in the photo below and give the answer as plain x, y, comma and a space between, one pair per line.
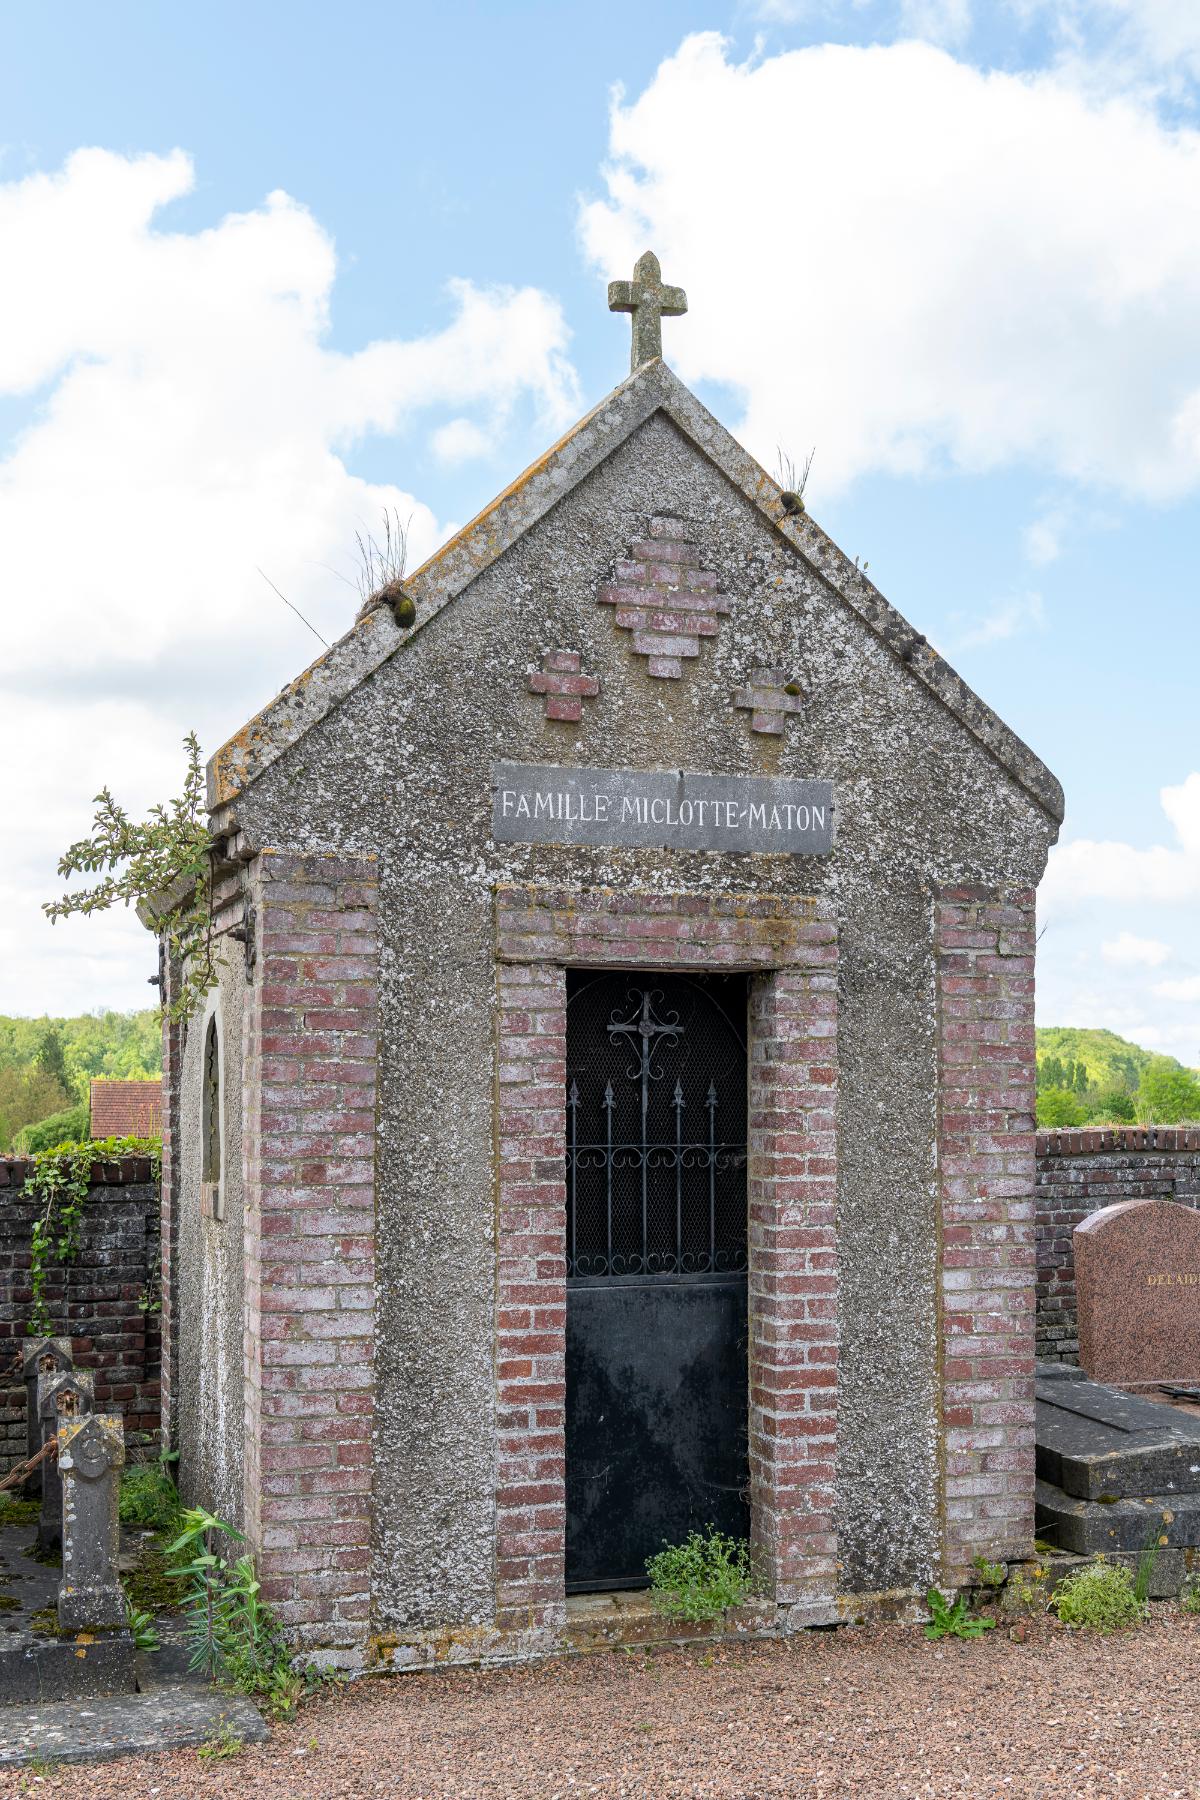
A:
35, 1668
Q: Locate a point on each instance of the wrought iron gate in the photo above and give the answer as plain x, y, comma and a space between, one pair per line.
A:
656, 1269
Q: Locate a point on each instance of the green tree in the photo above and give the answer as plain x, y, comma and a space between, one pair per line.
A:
69, 1127
27, 1095
1112, 1105
51, 1057
1167, 1092
1058, 1107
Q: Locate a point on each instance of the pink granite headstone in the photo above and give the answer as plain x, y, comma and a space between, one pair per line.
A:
1137, 1288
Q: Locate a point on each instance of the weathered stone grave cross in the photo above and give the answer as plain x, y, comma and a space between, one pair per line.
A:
649, 299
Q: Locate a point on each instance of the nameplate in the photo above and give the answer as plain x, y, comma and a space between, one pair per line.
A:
653, 809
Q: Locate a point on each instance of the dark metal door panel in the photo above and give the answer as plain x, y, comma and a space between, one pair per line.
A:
656, 1267
656, 1421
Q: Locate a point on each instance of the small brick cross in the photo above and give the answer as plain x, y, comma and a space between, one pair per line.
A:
565, 688
769, 696
665, 598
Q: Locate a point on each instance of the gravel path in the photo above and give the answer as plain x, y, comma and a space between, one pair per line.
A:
878, 1712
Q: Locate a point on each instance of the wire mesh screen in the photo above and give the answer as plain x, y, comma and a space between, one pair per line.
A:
656, 1124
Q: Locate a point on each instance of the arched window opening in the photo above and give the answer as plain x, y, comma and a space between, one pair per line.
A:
210, 1125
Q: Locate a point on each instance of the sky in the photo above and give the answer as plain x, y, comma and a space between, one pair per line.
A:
266, 271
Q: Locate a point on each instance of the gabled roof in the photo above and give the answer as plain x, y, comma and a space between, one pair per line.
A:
125, 1108
652, 388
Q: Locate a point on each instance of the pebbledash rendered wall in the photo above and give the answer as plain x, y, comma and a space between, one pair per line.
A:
384, 1432
1080, 1171
106, 1300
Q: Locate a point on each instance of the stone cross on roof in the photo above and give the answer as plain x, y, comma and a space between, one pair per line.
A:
648, 299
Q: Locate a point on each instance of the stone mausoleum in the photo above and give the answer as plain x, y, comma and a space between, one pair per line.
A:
615, 1114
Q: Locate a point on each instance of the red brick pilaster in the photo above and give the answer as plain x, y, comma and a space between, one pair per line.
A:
531, 1298
309, 1175
984, 951
793, 1275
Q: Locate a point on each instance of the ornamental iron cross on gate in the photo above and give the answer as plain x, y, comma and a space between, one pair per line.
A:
649, 300
643, 1024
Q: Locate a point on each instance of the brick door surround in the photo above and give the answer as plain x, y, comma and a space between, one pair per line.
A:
788, 945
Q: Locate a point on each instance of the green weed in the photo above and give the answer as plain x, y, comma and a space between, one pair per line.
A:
952, 1621
1100, 1597
232, 1636
702, 1577
141, 1624
18, 1512
225, 1744
149, 1497
991, 1574
1147, 1560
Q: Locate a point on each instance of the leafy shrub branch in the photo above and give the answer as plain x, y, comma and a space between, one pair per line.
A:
231, 1635
59, 1183
163, 866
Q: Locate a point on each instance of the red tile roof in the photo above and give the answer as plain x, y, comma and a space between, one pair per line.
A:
126, 1108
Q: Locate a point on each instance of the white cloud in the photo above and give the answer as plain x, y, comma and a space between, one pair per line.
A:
1127, 905
1121, 43
940, 21
910, 261
1187, 988
1108, 869
1042, 539
1021, 613
190, 422
458, 440
1128, 951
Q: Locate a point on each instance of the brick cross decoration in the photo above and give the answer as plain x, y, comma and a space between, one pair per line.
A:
769, 696
565, 688
650, 300
663, 596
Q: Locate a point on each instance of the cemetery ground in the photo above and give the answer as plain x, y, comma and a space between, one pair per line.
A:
874, 1711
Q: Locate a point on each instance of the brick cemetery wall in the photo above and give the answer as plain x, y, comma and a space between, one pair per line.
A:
100, 1300
1080, 1171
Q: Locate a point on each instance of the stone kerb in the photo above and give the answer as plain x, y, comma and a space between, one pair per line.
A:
791, 946
984, 960
309, 1085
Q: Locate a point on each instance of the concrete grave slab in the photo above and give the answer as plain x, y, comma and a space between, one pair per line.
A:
1094, 1440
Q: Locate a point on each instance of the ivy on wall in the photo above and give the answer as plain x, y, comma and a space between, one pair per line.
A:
59, 1183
